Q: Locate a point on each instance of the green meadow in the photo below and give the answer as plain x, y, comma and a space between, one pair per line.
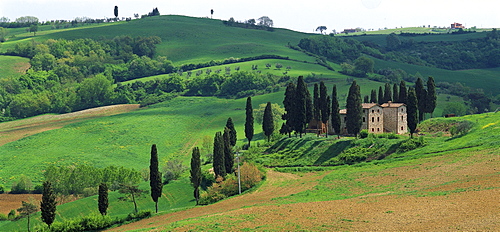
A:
13, 66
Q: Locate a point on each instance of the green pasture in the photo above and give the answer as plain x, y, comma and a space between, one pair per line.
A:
12, 66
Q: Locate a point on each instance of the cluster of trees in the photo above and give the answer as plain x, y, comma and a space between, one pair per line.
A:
262, 23
453, 55
477, 101
360, 68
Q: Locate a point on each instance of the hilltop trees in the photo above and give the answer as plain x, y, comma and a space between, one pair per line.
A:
116, 12
267, 122
102, 201
354, 109
196, 173
249, 121
48, 204
321, 29
155, 177
265, 21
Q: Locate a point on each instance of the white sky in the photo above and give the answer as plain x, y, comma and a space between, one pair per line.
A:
296, 15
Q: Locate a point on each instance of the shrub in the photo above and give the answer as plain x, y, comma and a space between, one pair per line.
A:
87, 223
38, 189
461, 128
11, 215
139, 215
91, 191
173, 170
3, 217
353, 155
411, 144
2, 189
363, 133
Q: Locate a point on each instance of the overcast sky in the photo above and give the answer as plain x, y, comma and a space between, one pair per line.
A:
303, 15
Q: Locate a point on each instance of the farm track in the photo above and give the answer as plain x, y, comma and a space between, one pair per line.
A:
15, 130
440, 194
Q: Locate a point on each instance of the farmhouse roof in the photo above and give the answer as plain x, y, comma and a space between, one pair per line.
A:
392, 105
369, 105
343, 111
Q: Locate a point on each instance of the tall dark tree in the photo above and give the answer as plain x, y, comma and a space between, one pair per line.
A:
267, 122
380, 96
366, 99
411, 110
249, 120
324, 104
155, 177
354, 110
387, 93
395, 93
431, 99
116, 11
102, 201
232, 132
48, 204
316, 103
26, 210
309, 107
335, 111
219, 164
196, 173
302, 106
403, 95
421, 98
228, 151
212, 13
373, 96
289, 103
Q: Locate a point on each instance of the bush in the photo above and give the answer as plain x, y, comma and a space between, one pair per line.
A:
12, 215
38, 189
87, 223
139, 215
411, 144
173, 170
2, 189
363, 133
354, 155
3, 217
461, 128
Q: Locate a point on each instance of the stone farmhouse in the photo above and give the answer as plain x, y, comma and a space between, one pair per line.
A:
386, 118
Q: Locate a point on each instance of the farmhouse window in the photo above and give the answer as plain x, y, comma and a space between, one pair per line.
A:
378, 119
373, 119
363, 119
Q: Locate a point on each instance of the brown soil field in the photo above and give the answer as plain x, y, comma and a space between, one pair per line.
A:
10, 202
438, 194
18, 129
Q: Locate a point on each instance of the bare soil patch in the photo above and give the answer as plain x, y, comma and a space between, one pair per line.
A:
15, 130
10, 202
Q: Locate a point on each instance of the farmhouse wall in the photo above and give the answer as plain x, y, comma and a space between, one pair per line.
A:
395, 118
373, 118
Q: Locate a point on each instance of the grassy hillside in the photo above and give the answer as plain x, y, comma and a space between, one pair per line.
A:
13, 66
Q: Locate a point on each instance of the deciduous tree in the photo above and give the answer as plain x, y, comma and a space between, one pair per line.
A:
196, 173
321, 29
26, 210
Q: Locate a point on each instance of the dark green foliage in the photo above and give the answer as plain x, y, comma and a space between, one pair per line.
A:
232, 132
366, 99
316, 103
387, 93
354, 155
363, 134
249, 120
380, 96
373, 96
354, 109
116, 11
219, 163
421, 98
395, 93
403, 95
411, 144
267, 122
411, 109
22, 185
301, 106
196, 173
335, 111
228, 151
48, 204
155, 177
290, 116
102, 201
461, 128
364, 65
431, 98
324, 105
393, 41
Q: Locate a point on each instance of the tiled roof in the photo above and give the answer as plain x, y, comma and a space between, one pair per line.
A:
343, 111
392, 105
369, 105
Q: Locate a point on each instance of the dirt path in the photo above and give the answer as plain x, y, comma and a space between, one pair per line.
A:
15, 130
277, 185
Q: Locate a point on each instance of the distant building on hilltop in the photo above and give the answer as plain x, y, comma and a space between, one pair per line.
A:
389, 117
349, 31
456, 26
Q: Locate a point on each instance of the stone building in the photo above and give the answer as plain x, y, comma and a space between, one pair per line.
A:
389, 117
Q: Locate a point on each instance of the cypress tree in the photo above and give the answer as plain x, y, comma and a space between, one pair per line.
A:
335, 111
380, 96
301, 106
387, 93
354, 110
324, 104
403, 96
309, 107
103, 199
395, 93
228, 151
373, 96
316, 104
155, 177
431, 98
366, 99
249, 121
421, 95
232, 132
48, 204
196, 173
267, 121
411, 110
290, 109
219, 168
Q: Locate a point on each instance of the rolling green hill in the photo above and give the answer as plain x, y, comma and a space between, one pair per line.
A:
13, 66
